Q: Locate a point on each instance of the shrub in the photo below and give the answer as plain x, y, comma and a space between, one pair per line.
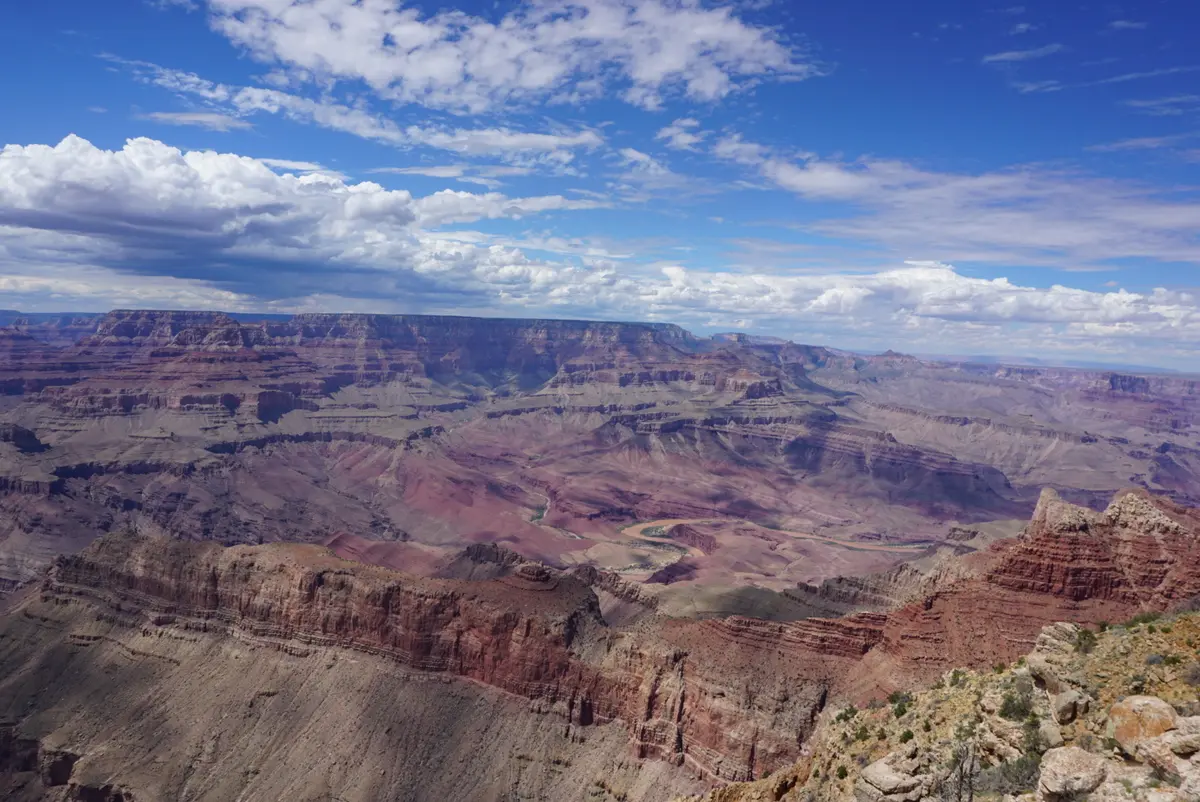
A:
846, 714
1143, 618
816, 775
899, 710
956, 678
906, 736
1085, 641
1137, 684
1014, 777
899, 698
1173, 660
863, 733
929, 727
882, 734
841, 772
1016, 705
998, 668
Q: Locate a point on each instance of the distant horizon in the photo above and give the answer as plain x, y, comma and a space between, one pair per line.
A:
1009, 360
924, 176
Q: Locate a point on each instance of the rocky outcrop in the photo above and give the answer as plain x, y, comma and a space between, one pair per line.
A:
530, 631
1069, 772
1071, 563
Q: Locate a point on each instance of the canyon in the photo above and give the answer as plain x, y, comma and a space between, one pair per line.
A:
349, 659
425, 434
539, 559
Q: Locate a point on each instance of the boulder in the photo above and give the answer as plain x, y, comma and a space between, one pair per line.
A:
1045, 673
1050, 734
1139, 718
1189, 789
1070, 771
1068, 705
882, 782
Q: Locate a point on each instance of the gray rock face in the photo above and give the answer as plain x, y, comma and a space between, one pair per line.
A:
1069, 771
1050, 734
889, 780
1069, 705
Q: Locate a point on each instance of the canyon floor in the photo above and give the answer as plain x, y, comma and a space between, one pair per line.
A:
406, 557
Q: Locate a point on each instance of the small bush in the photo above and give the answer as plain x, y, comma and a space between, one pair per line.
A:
1166, 630
956, 678
841, 772
906, 736
1143, 618
1014, 777
882, 734
899, 710
929, 727
816, 775
1102, 626
846, 714
1151, 628
1085, 641
1016, 706
863, 733
899, 698
1137, 684
1173, 660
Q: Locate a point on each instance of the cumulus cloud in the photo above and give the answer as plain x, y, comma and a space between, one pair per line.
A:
683, 134
239, 224
151, 225
540, 51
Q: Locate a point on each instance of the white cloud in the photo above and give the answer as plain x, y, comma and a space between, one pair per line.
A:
542, 50
643, 163
1141, 143
553, 149
683, 134
1126, 25
1172, 106
82, 227
734, 148
1028, 215
236, 222
1137, 76
1022, 27
294, 166
483, 175
1031, 87
200, 119
1022, 55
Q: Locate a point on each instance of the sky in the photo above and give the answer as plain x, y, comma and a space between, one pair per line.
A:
941, 176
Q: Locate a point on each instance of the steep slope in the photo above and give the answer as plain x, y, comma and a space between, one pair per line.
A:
288, 638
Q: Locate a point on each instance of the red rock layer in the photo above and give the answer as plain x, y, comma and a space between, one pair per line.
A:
1071, 564
733, 699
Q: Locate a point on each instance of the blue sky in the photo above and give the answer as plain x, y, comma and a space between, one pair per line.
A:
937, 177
